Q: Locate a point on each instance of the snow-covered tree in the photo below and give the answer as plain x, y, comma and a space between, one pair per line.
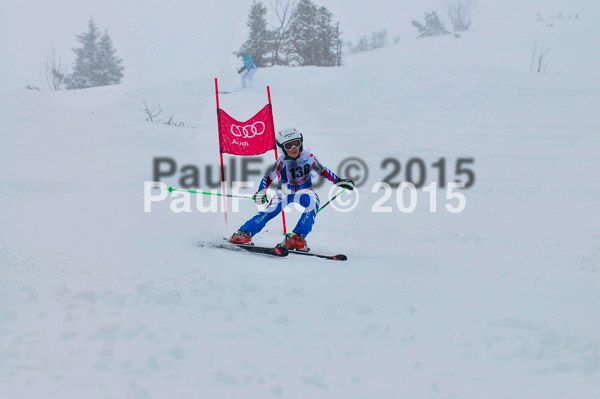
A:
312, 39
301, 44
96, 63
305, 35
259, 41
326, 37
110, 70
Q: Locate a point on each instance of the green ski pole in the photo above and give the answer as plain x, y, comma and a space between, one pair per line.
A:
171, 189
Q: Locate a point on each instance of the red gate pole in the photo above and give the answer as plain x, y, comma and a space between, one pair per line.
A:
275, 149
223, 185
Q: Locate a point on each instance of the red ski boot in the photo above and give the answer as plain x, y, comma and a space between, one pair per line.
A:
296, 242
241, 237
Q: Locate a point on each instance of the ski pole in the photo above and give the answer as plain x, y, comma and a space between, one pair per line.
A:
171, 189
332, 199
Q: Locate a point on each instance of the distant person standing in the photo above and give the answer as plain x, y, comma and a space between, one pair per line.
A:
248, 70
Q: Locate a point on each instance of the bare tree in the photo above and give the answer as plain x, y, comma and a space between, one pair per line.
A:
538, 64
283, 10
460, 12
151, 114
339, 44
56, 71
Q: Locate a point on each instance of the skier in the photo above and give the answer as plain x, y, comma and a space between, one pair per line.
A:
249, 68
294, 167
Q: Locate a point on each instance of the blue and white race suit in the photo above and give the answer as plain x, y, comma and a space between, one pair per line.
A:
295, 174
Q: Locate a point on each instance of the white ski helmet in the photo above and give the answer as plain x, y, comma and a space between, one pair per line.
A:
288, 134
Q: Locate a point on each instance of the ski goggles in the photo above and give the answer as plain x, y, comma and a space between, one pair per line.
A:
290, 145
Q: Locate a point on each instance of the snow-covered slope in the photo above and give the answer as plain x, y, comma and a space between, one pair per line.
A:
99, 299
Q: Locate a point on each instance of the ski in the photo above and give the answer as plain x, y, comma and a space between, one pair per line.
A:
272, 251
330, 257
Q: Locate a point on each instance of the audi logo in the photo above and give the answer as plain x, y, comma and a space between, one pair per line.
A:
248, 131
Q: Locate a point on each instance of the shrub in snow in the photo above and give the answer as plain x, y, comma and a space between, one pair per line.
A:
56, 72
459, 12
151, 116
560, 16
538, 60
378, 40
432, 27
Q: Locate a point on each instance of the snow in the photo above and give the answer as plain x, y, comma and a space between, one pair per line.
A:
99, 299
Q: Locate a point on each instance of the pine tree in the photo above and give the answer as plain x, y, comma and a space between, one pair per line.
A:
325, 38
259, 40
301, 45
96, 63
110, 70
86, 59
312, 38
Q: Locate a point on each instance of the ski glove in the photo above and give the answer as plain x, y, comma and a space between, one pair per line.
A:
260, 197
346, 183
242, 69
